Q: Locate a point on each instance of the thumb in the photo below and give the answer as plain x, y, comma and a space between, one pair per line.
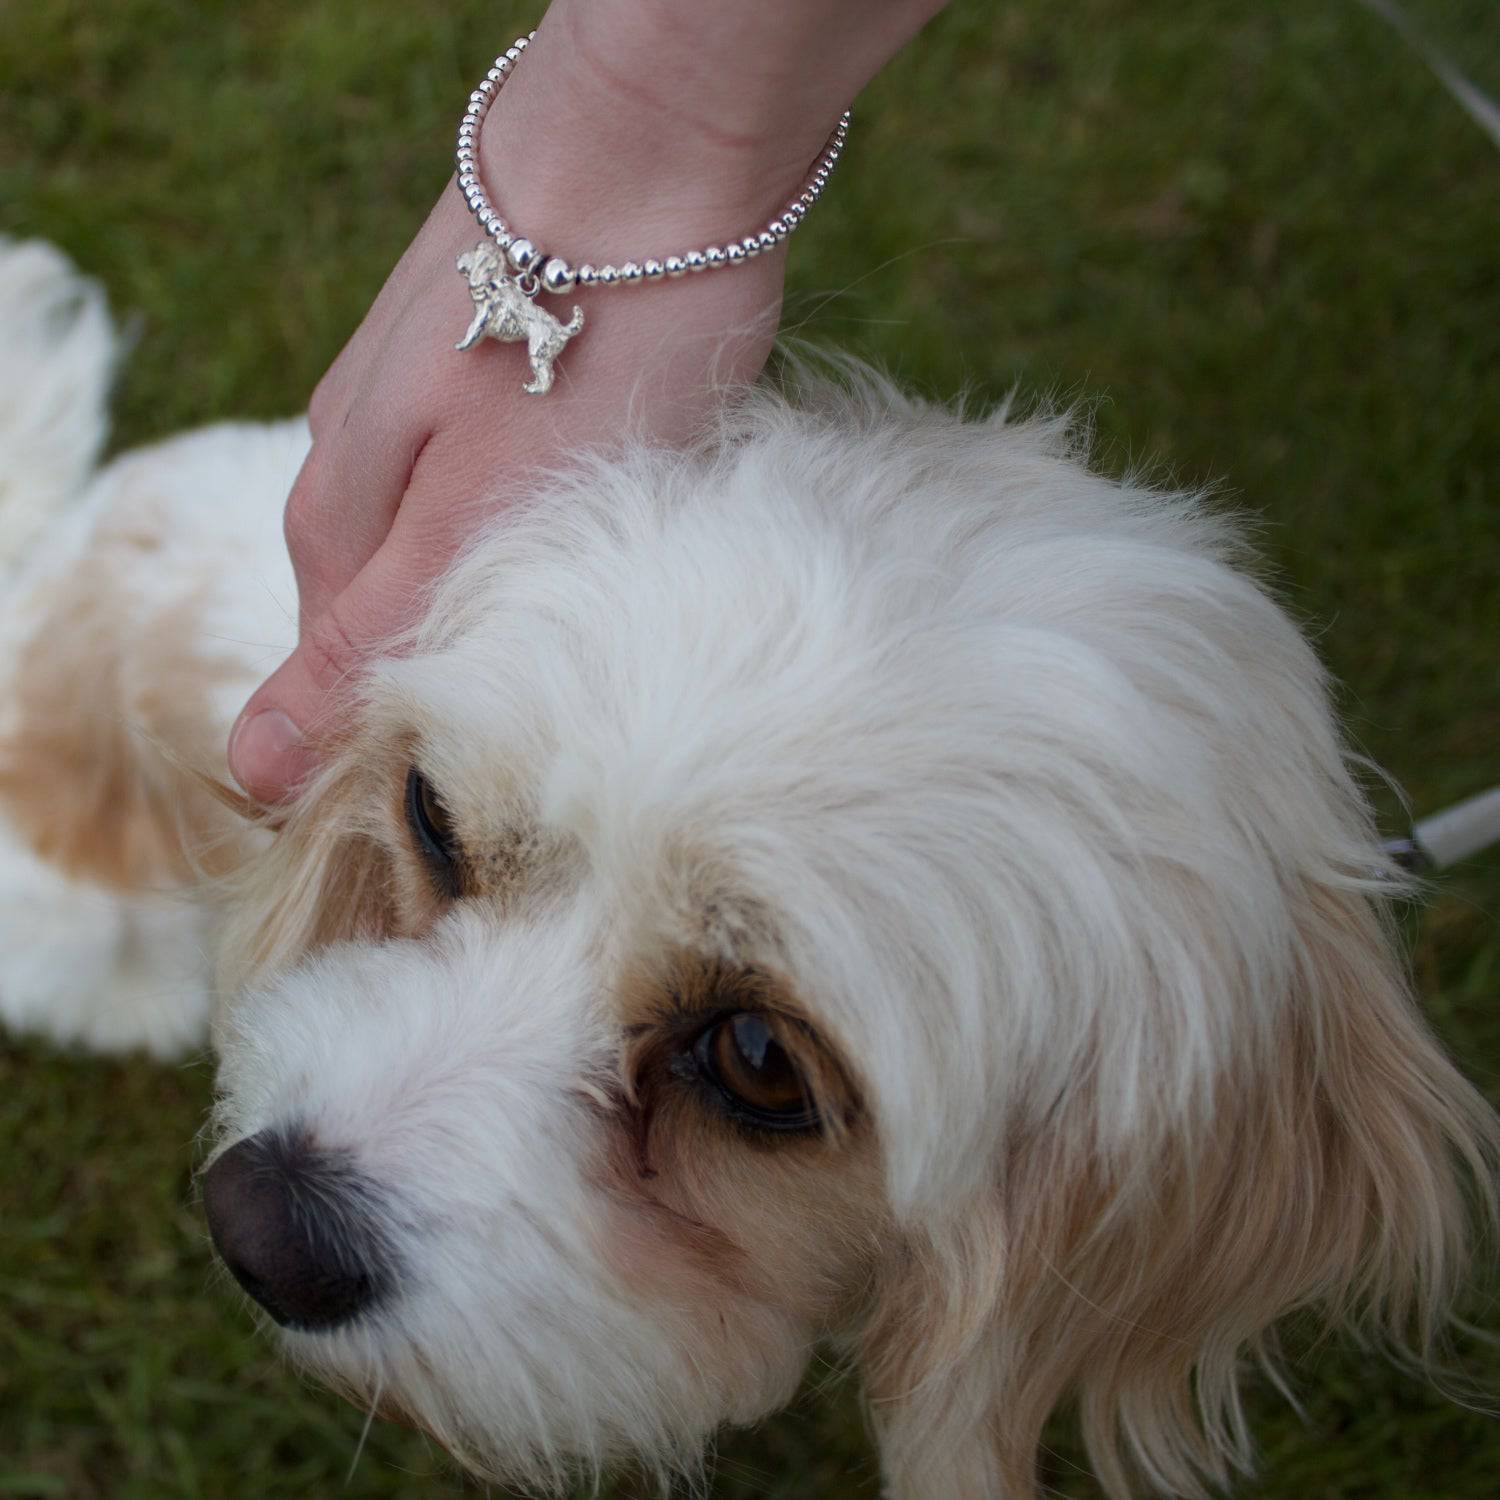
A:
274, 746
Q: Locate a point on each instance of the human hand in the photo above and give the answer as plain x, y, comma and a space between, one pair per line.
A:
647, 129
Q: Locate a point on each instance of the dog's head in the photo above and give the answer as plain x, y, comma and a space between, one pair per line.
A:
482, 265
871, 882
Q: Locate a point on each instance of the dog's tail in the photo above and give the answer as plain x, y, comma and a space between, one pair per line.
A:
57, 355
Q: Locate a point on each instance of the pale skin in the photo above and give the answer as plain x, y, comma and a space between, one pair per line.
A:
631, 128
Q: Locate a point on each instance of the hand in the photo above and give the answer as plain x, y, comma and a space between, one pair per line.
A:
648, 129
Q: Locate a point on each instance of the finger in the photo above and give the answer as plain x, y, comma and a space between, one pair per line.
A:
275, 743
370, 417
342, 506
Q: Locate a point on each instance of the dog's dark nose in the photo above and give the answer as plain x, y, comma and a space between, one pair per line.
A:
294, 1226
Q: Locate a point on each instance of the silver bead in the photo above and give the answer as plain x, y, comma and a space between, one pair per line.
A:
780, 228
521, 41
513, 54
486, 217
586, 275
734, 254
750, 245
471, 109
631, 274
496, 73
695, 260
767, 240
654, 270
503, 64
501, 235
675, 265
714, 257
558, 275
607, 276
523, 255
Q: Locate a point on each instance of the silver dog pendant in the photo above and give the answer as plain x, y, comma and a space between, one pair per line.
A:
505, 308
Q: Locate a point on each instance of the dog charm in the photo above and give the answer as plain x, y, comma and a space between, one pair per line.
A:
505, 308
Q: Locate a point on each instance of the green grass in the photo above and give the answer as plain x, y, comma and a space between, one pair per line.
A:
1261, 237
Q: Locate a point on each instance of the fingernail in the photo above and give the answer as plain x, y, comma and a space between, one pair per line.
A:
267, 755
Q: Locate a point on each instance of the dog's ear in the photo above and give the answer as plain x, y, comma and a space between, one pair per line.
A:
1339, 1169
325, 877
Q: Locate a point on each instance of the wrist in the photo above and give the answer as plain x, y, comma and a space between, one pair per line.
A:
619, 137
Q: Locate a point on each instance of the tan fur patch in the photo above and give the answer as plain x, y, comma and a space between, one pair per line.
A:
95, 775
345, 864
337, 869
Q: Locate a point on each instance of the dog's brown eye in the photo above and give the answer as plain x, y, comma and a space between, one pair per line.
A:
753, 1073
433, 830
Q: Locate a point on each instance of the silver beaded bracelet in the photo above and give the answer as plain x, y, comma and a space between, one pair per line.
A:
502, 269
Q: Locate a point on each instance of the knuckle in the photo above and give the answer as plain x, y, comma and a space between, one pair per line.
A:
330, 649
301, 521
325, 407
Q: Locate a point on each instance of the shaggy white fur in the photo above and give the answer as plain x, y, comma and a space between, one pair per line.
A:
164, 573
1000, 792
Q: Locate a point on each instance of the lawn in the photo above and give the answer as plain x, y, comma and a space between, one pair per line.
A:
1261, 240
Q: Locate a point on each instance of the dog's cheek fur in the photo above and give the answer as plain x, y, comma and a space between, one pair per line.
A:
1333, 1175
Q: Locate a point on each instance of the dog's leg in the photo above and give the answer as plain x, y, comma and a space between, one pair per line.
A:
543, 351
476, 328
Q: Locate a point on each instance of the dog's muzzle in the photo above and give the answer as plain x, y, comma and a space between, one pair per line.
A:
294, 1224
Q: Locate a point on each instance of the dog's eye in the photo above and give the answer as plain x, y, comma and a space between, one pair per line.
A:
752, 1072
433, 830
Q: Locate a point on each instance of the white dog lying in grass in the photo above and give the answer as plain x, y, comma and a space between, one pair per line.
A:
868, 881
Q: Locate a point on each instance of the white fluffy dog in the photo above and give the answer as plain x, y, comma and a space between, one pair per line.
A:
869, 881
